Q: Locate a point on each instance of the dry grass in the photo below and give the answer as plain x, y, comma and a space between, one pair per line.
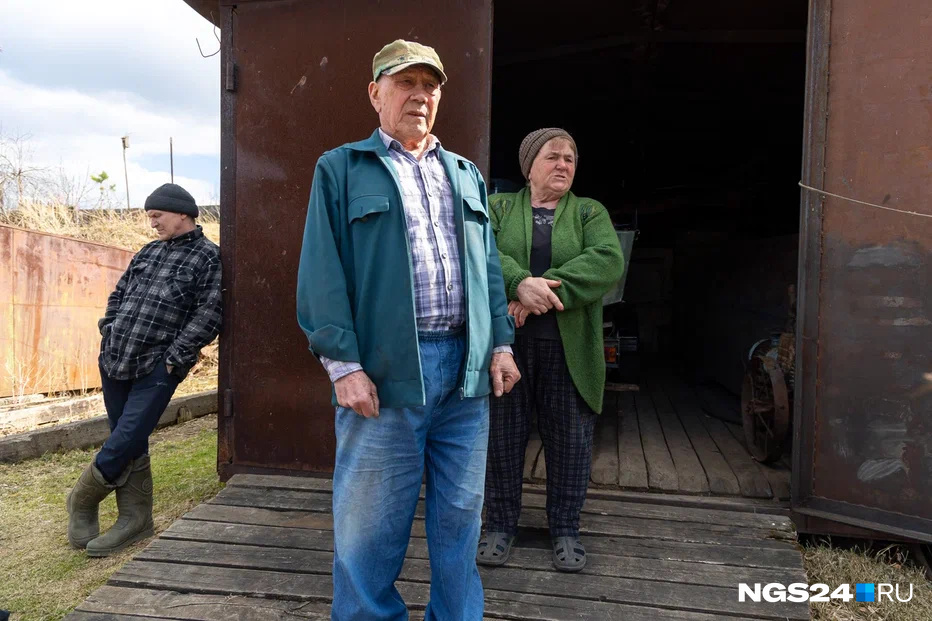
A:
832, 565
123, 228
41, 577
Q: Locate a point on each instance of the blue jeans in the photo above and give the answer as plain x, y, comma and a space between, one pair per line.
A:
133, 409
380, 463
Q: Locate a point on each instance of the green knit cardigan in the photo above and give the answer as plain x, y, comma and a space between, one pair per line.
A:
586, 258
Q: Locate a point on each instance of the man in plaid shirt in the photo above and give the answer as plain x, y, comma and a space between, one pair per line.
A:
165, 308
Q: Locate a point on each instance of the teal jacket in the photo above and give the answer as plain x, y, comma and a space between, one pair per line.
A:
355, 288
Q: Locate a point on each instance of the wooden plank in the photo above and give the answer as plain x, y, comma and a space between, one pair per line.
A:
93, 431
317, 587
665, 513
154, 604
721, 478
622, 547
319, 502
698, 516
274, 499
661, 473
268, 517
281, 481
779, 479
531, 559
533, 607
611, 526
751, 481
605, 449
739, 504
535, 517
110, 602
101, 616
777, 476
532, 451
689, 472
632, 468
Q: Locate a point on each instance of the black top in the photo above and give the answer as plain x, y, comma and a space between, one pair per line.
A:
541, 326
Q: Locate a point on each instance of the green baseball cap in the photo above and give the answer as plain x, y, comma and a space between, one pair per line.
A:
400, 54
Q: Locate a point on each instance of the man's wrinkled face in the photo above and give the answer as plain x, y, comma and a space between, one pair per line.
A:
406, 102
167, 223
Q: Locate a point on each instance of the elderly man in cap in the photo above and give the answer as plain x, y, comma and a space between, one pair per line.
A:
165, 308
401, 296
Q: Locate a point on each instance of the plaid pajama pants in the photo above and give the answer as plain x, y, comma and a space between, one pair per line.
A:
566, 425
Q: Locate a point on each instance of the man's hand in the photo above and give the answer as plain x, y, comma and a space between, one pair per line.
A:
536, 295
519, 312
504, 373
357, 392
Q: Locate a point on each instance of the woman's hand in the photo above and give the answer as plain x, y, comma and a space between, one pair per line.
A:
536, 296
519, 312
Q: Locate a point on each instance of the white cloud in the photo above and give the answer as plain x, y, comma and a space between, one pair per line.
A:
78, 76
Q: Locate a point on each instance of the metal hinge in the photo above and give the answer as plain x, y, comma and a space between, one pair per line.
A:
230, 76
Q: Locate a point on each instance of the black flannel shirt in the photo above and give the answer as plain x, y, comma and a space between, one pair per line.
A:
165, 308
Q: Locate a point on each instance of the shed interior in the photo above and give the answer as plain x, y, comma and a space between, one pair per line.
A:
688, 117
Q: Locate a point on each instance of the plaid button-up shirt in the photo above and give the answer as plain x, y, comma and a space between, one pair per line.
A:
439, 302
165, 308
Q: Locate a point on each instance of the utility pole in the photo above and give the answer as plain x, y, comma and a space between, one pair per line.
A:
171, 158
125, 140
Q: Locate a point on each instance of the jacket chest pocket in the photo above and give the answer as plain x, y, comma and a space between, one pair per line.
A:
137, 277
365, 208
368, 219
475, 211
179, 287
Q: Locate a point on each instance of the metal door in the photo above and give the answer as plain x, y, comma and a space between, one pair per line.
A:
295, 80
863, 419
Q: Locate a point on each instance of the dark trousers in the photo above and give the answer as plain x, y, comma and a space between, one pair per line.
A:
566, 424
133, 409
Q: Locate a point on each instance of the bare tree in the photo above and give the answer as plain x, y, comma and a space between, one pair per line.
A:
17, 173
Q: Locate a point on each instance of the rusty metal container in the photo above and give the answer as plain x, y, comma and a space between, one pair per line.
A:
295, 79
52, 292
863, 423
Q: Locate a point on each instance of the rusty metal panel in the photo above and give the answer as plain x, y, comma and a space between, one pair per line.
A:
296, 75
52, 292
864, 429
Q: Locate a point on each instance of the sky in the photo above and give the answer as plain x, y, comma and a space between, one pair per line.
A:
75, 76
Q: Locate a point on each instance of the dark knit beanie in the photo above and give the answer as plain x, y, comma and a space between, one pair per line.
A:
533, 142
172, 197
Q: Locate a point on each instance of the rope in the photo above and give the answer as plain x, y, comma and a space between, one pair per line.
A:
854, 200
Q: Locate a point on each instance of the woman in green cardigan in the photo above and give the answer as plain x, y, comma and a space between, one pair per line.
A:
560, 254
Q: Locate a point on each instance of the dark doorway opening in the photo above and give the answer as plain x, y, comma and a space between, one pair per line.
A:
688, 118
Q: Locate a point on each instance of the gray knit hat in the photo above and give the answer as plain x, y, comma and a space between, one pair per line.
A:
533, 142
172, 197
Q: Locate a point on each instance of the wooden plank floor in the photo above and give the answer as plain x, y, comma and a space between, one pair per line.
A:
659, 439
263, 548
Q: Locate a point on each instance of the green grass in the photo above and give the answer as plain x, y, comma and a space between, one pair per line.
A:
41, 577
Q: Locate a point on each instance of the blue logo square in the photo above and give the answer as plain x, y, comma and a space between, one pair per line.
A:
864, 592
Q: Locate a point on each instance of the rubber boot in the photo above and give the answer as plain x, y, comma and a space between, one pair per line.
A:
83, 502
134, 503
